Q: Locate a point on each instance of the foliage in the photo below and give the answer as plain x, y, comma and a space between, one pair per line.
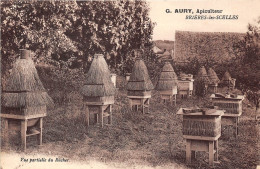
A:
69, 33
208, 47
247, 63
200, 88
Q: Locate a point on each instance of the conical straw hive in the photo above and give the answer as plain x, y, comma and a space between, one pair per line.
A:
98, 82
213, 76
227, 80
139, 79
202, 75
168, 79
226, 76
139, 83
24, 88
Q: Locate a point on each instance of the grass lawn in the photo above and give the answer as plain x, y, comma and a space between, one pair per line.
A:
135, 139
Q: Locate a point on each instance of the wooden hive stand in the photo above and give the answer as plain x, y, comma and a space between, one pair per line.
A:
101, 109
169, 96
199, 136
213, 88
142, 101
185, 87
232, 107
24, 124
139, 98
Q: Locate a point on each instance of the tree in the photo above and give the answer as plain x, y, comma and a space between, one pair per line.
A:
66, 32
248, 63
38, 26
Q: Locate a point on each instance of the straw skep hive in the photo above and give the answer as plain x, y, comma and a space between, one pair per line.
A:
168, 79
24, 93
226, 77
139, 82
202, 75
227, 80
213, 76
98, 86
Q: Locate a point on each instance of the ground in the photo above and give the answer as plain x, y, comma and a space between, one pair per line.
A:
135, 140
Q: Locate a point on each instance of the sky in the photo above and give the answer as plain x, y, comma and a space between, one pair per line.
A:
166, 23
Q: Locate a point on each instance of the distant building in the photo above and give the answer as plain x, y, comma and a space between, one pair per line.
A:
217, 46
165, 56
157, 50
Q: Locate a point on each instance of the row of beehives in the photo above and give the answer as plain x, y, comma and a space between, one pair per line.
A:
24, 98
169, 83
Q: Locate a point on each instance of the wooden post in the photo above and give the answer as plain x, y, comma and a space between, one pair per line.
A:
6, 131
110, 114
23, 133
101, 111
216, 153
87, 114
40, 126
148, 103
193, 154
237, 121
188, 151
130, 102
211, 152
143, 105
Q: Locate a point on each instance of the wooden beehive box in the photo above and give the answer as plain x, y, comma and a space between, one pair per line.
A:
139, 93
231, 105
169, 92
185, 85
98, 100
113, 78
199, 125
28, 111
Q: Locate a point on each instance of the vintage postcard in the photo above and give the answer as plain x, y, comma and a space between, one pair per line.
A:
130, 84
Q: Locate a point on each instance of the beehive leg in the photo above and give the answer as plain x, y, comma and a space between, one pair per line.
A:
40, 135
110, 115
188, 151
96, 116
6, 131
148, 103
237, 121
23, 133
211, 152
216, 153
143, 105
130, 103
87, 114
171, 99
101, 111
193, 154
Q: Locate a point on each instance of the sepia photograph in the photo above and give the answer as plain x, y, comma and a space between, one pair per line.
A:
130, 84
